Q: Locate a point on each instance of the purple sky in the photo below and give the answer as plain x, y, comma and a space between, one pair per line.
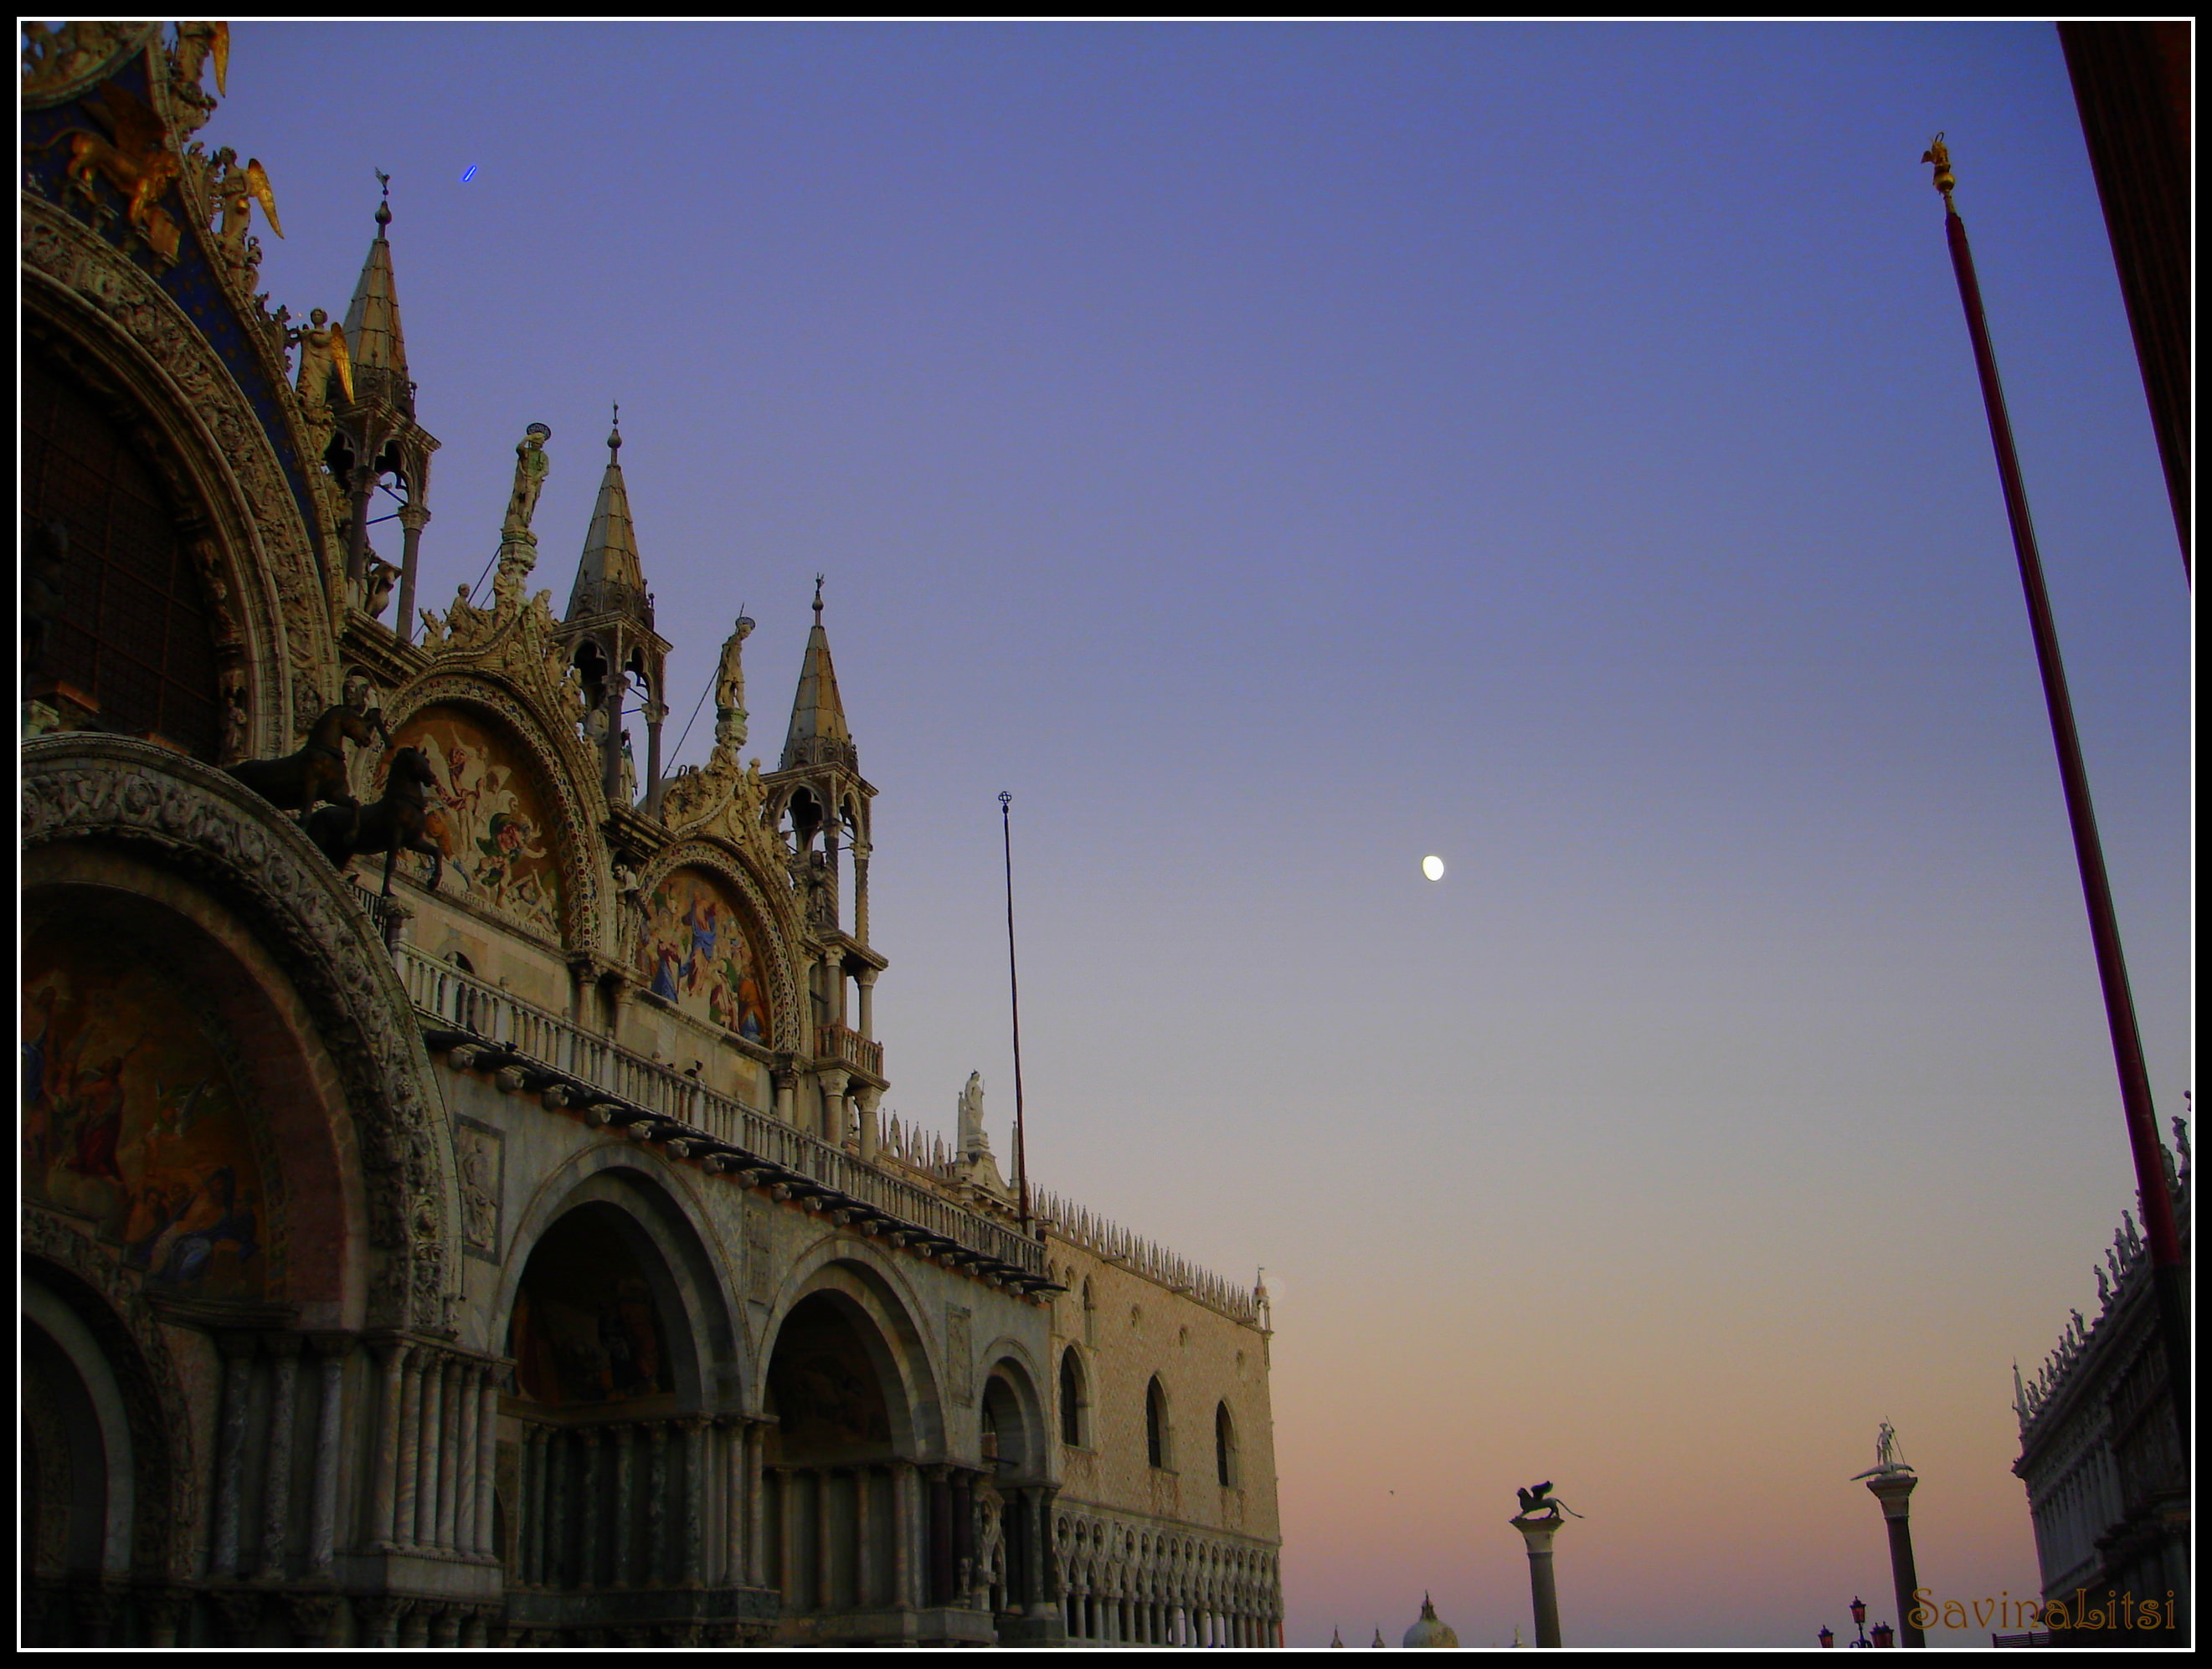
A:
1275, 454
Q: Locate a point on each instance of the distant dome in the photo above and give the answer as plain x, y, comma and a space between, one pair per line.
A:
1429, 1631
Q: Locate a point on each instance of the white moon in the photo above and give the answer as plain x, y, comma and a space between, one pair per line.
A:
1433, 867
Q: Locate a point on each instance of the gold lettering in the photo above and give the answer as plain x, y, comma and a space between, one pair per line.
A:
1922, 1615
1950, 1606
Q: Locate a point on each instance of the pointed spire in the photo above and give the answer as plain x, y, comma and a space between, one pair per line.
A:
610, 579
374, 343
817, 734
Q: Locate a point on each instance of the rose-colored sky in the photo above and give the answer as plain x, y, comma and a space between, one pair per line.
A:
1276, 453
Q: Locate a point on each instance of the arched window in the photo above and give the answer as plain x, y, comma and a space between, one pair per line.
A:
1070, 1399
1224, 1446
1157, 1451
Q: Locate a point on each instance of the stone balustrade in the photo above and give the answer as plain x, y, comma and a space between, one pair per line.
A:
497, 1031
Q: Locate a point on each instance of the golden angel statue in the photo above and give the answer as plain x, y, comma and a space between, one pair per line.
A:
236, 190
322, 352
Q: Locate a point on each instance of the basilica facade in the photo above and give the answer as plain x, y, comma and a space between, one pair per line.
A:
458, 1206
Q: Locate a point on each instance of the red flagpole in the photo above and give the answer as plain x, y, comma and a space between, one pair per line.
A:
2159, 1227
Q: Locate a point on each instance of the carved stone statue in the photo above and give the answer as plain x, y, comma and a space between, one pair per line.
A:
531, 464
322, 353
377, 583
730, 680
973, 1140
197, 42
1885, 1445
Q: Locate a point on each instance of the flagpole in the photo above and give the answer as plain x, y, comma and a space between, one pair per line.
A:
2159, 1228
1014, 985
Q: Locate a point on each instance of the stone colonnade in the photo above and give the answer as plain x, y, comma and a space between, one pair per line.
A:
284, 1438
667, 1502
901, 1534
1127, 1585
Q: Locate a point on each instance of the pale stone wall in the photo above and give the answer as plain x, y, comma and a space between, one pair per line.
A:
1145, 1544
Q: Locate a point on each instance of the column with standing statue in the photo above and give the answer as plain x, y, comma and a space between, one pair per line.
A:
1892, 1482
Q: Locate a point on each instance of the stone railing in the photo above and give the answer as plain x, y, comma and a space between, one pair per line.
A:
843, 1043
502, 1033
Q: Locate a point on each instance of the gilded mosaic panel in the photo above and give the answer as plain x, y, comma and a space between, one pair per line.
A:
132, 1120
693, 951
488, 820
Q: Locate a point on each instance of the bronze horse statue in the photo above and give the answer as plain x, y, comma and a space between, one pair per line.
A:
317, 773
391, 825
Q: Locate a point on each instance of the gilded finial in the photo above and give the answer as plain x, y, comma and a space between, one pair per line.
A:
1939, 154
384, 208
817, 598
614, 434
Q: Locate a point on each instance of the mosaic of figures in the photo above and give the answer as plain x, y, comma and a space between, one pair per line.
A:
488, 818
693, 951
585, 1328
131, 1119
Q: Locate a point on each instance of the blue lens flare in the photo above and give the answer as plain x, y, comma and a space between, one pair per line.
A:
468, 173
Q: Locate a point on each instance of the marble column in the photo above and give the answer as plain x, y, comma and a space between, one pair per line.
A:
391, 1355
755, 1507
1537, 1532
276, 1469
454, 1394
656, 1503
487, 1545
733, 1567
406, 1499
331, 1352
588, 1510
528, 1507
902, 1499
863, 1553
693, 1572
553, 1526
237, 1349
964, 1535
413, 517
625, 1441
787, 1537
465, 1474
824, 1483
1036, 1548
941, 1569
429, 1433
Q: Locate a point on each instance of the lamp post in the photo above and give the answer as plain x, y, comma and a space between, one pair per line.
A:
1828, 1635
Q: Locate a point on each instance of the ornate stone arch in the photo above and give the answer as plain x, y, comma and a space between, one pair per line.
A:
587, 872
105, 318
871, 1284
773, 916
165, 1481
93, 789
662, 1205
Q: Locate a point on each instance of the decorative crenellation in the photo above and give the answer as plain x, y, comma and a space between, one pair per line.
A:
2126, 1267
1145, 1258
